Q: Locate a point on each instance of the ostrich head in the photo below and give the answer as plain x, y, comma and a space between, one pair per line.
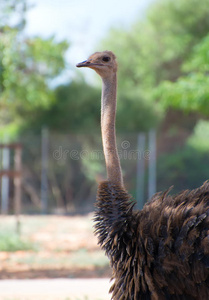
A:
104, 63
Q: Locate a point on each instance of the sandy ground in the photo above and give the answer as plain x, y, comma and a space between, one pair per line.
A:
55, 289
65, 247
67, 253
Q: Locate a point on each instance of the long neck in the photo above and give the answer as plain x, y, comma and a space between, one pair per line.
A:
108, 112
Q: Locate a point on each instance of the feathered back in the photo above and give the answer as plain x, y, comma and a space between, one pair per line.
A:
161, 252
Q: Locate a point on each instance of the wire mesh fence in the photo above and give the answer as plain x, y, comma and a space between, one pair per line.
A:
60, 172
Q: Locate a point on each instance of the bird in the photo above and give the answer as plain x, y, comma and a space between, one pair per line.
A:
162, 251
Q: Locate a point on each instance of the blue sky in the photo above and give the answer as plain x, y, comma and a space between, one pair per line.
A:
82, 23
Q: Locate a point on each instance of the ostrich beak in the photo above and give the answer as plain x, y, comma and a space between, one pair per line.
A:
84, 63
87, 63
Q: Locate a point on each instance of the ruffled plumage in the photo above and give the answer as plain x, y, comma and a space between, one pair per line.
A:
160, 252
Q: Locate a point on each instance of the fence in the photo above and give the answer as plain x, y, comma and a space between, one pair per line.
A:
60, 172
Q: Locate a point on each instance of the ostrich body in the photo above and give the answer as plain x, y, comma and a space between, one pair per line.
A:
162, 251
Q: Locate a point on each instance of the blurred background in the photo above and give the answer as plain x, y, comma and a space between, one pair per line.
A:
50, 145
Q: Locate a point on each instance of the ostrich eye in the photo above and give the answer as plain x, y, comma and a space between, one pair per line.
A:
106, 58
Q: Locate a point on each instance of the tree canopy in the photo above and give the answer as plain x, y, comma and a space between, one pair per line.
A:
27, 64
163, 62
167, 50
191, 91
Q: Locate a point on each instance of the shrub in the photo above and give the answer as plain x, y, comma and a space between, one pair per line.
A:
11, 241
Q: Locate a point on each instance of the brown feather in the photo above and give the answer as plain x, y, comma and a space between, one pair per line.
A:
161, 252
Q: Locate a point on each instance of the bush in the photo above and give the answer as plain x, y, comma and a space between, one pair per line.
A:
11, 241
185, 169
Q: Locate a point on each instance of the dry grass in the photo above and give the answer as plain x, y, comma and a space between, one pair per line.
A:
61, 247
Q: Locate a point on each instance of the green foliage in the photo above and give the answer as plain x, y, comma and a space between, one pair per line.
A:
11, 241
189, 93
199, 59
26, 67
135, 114
158, 50
75, 108
187, 167
199, 140
184, 169
83, 103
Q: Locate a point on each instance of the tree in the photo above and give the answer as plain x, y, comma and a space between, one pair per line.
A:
155, 49
191, 91
75, 109
26, 66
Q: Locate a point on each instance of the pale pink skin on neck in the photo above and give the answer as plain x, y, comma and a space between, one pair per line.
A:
108, 113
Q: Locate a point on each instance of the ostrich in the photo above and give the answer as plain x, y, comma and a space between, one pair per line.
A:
162, 251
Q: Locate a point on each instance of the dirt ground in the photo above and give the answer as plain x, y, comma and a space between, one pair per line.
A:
63, 247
